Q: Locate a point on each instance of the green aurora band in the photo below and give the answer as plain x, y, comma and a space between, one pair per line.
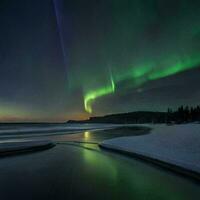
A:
142, 74
91, 96
117, 47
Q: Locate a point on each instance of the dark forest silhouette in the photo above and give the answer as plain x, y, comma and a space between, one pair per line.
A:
184, 114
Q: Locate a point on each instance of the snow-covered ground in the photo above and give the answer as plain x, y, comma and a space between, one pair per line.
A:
177, 145
25, 145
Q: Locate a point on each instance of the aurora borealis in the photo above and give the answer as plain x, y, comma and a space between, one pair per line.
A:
70, 59
141, 75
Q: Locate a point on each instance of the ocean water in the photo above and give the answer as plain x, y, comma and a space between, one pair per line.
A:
17, 129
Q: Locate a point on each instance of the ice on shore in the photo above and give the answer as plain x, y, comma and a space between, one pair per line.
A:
9, 131
24, 145
178, 145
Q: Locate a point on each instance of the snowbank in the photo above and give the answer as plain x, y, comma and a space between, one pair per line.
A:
23, 146
177, 145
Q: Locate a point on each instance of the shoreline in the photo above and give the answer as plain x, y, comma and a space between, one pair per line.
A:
173, 147
159, 163
13, 148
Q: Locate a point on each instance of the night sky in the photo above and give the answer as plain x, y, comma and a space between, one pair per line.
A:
71, 59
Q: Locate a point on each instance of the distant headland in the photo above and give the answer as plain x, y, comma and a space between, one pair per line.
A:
184, 114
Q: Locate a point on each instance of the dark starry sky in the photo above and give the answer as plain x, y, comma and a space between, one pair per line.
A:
63, 59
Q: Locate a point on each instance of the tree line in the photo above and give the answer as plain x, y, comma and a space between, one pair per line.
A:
183, 114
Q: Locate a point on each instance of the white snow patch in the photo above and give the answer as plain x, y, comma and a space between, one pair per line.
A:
24, 145
177, 144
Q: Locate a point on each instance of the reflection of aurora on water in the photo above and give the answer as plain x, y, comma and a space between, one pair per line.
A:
87, 135
136, 182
